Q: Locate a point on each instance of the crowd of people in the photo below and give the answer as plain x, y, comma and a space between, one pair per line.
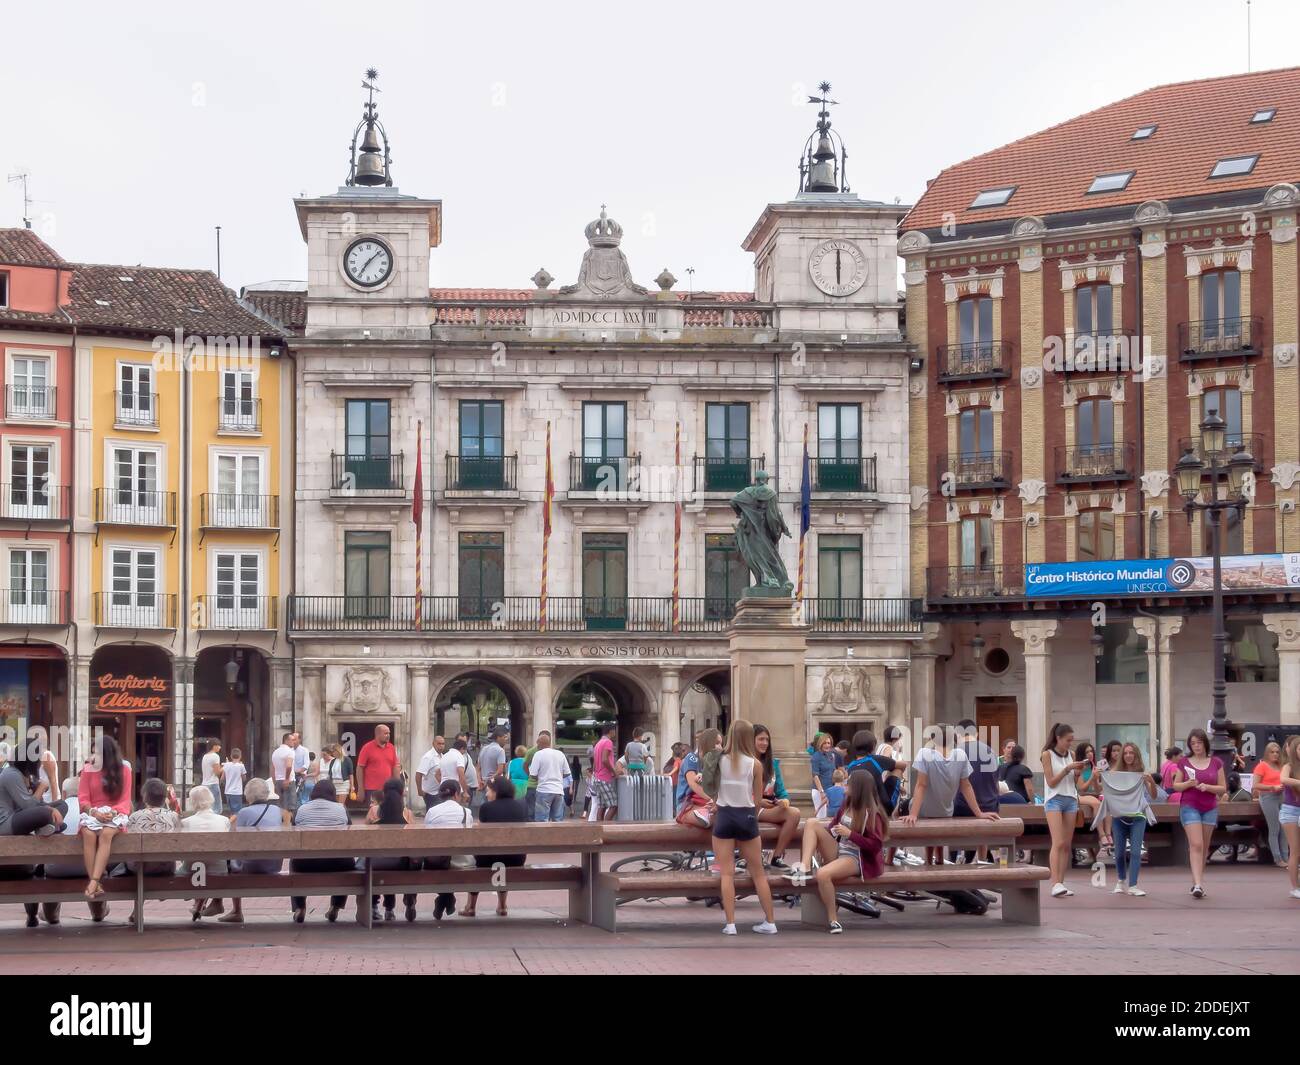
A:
730, 784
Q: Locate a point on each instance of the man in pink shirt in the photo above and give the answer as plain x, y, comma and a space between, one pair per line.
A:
604, 771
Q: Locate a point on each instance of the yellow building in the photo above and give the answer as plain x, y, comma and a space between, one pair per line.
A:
182, 486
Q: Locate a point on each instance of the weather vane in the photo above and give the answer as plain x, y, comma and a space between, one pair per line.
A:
822, 168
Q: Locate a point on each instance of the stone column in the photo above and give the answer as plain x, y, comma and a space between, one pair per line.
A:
421, 734
769, 683
78, 716
1038, 678
670, 710
897, 679
1160, 680
543, 699
1287, 629
183, 722
925, 657
312, 725
280, 717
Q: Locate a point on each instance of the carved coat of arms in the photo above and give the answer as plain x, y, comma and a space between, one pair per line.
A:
605, 273
366, 689
844, 690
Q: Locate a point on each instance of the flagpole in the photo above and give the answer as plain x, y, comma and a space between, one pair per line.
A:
803, 531
546, 531
418, 504
677, 531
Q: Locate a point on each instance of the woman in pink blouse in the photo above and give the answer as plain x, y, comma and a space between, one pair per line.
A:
104, 799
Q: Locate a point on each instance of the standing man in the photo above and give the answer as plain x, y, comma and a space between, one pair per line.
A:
550, 769
211, 766
492, 759
302, 760
378, 762
604, 773
453, 766
471, 770
282, 773
427, 773
530, 796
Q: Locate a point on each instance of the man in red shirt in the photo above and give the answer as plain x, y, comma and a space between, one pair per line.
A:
378, 762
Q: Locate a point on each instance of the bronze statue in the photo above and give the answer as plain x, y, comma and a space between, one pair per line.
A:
759, 529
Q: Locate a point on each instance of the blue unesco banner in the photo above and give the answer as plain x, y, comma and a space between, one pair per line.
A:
1159, 576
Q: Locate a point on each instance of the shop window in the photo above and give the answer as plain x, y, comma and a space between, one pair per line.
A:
1123, 658
1252, 653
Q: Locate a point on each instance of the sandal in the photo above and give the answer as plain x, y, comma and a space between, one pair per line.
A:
94, 889
502, 912
468, 913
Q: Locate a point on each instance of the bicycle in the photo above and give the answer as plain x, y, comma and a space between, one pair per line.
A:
679, 861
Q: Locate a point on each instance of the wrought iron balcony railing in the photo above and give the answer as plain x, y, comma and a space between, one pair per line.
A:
975, 470
136, 410
239, 415
482, 473
127, 506
1096, 462
985, 360
1217, 338
238, 612
367, 473
34, 606
31, 500
237, 510
134, 610
844, 475
604, 475
717, 474
1232, 443
949, 583
31, 403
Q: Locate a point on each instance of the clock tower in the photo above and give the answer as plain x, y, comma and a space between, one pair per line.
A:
368, 245
828, 256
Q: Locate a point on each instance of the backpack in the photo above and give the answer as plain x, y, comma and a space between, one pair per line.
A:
711, 773
891, 788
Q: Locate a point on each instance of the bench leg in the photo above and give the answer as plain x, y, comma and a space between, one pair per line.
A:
1020, 905
604, 906
812, 911
364, 912
139, 899
580, 898
1175, 854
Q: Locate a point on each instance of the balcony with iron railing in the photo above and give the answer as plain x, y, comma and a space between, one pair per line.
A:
607, 476
1096, 463
32, 501
34, 606
964, 583
136, 410
235, 612
986, 360
975, 471
1232, 443
1115, 351
468, 474
714, 473
134, 610
237, 510
239, 415
31, 403
577, 614
126, 506
363, 476
844, 474
1220, 338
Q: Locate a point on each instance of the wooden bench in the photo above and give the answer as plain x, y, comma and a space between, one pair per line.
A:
365, 843
1166, 842
1018, 884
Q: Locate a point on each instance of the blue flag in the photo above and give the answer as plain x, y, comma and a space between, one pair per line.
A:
805, 494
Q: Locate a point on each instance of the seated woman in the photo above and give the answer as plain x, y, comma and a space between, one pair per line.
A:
24, 812
322, 810
445, 811
104, 798
1088, 782
390, 810
260, 813
849, 846
1018, 777
776, 808
203, 818
501, 807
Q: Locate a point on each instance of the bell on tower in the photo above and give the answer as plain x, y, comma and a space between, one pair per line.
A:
371, 163
823, 167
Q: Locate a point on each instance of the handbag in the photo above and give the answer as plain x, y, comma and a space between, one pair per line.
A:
696, 812
463, 861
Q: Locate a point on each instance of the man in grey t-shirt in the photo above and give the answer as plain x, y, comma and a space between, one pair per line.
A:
492, 759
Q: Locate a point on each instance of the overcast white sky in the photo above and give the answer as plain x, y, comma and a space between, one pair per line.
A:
144, 125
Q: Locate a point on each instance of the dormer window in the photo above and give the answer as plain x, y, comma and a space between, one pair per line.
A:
4, 289
992, 197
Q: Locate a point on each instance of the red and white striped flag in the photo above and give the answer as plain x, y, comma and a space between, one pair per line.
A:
677, 531
417, 516
546, 528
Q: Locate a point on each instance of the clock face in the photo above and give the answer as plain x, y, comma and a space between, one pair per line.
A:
368, 262
838, 267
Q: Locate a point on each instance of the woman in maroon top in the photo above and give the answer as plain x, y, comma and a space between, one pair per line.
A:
1199, 781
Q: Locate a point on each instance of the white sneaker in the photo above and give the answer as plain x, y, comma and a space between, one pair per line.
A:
728, 929
1118, 889
1198, 891
1136, 892
1295, 893
1060, 891
765, 928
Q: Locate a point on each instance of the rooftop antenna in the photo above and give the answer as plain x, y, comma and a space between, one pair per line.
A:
22, 176
218, 228
690, 280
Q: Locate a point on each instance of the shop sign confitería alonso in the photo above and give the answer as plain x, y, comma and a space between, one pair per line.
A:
130, 694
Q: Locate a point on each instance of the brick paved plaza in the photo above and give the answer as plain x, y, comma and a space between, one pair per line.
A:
1245, 926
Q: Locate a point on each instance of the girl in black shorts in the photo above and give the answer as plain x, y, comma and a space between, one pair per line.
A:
735, 825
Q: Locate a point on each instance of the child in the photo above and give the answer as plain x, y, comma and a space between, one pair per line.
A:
835, 793
232, 781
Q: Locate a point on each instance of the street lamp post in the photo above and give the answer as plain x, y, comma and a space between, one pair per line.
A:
1189, 470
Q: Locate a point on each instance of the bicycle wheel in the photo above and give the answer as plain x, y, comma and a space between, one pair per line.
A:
647, 863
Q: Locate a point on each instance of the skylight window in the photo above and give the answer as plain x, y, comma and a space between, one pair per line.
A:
1266, 115
993, 197
1234, 165
1111, 182
1143, 133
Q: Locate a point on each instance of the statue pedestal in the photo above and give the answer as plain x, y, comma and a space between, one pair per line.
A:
767, 651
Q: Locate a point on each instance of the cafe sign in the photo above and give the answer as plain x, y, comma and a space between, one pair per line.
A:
111, 693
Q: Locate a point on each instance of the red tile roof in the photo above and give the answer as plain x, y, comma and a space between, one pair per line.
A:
22, 247
1198, 123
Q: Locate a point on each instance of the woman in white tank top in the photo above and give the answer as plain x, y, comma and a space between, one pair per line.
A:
740, 785
1061, 803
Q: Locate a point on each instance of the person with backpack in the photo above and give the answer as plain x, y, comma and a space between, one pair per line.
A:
694, 805
884, 770
848, 846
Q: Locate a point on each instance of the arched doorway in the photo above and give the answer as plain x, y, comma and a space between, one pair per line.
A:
706, 703
132, 699
232, 705
477, 702
592, 698
34, 699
